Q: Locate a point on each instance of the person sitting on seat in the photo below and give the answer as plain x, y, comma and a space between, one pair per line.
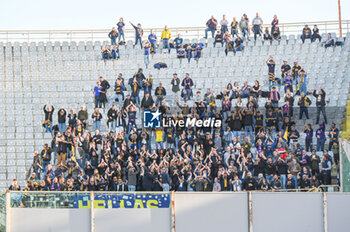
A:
106, 53
267, 35
316, 34
307, 33
219, 38
238, 44
329, 42
275, 33
115, 52
229, 43
181, 53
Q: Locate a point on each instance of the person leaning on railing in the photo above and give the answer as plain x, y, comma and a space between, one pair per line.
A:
257, 24
113, 35
166, 35
211, 26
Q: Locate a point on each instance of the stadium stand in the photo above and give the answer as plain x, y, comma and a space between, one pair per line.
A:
64, 74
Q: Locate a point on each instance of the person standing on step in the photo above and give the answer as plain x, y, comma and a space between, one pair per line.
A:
121, 26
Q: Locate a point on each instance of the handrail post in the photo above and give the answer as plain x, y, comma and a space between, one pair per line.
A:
325, 219
7, 211
92, 211
173, 227
250, 211
341, 152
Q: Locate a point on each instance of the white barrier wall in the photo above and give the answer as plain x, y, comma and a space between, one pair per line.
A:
287, 212
202, 212
211, 212
338, 212
49, 220
125, 220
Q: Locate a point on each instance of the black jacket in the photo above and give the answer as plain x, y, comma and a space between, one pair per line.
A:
48, 115
62, 117
47, 156
105, 84
147, 103
248, 181
111, 114
320, 98
160, 91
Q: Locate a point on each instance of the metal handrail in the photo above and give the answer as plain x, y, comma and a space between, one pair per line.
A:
186, 32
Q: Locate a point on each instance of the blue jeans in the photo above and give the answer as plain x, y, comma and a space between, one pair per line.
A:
136, 99
98, 103
295, 180
166, 44
245, 33
224, 29
37, 174
138, 40
114, 41
45, 163
283, 180
121, 33
256, 31
249, 130
106, 56
320, 144
166, 187
62, 127
48, 129
302, 89
112, 125
115, 55
169, 145
85, 158
269, 178
96, 125
154, 46
187, 95
147, 60
80, 163
237, 134
159, 100
160, 145
274, 104
233, 33
131, 188
304, 36
303, 110
319, 110
271, 83
118, 96
177, 143
212, 30
55, 156
240, 48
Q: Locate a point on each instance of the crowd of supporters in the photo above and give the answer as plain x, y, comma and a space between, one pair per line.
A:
253, 148
223, 32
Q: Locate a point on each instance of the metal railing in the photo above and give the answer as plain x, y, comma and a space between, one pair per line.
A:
74, 199
186, 32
